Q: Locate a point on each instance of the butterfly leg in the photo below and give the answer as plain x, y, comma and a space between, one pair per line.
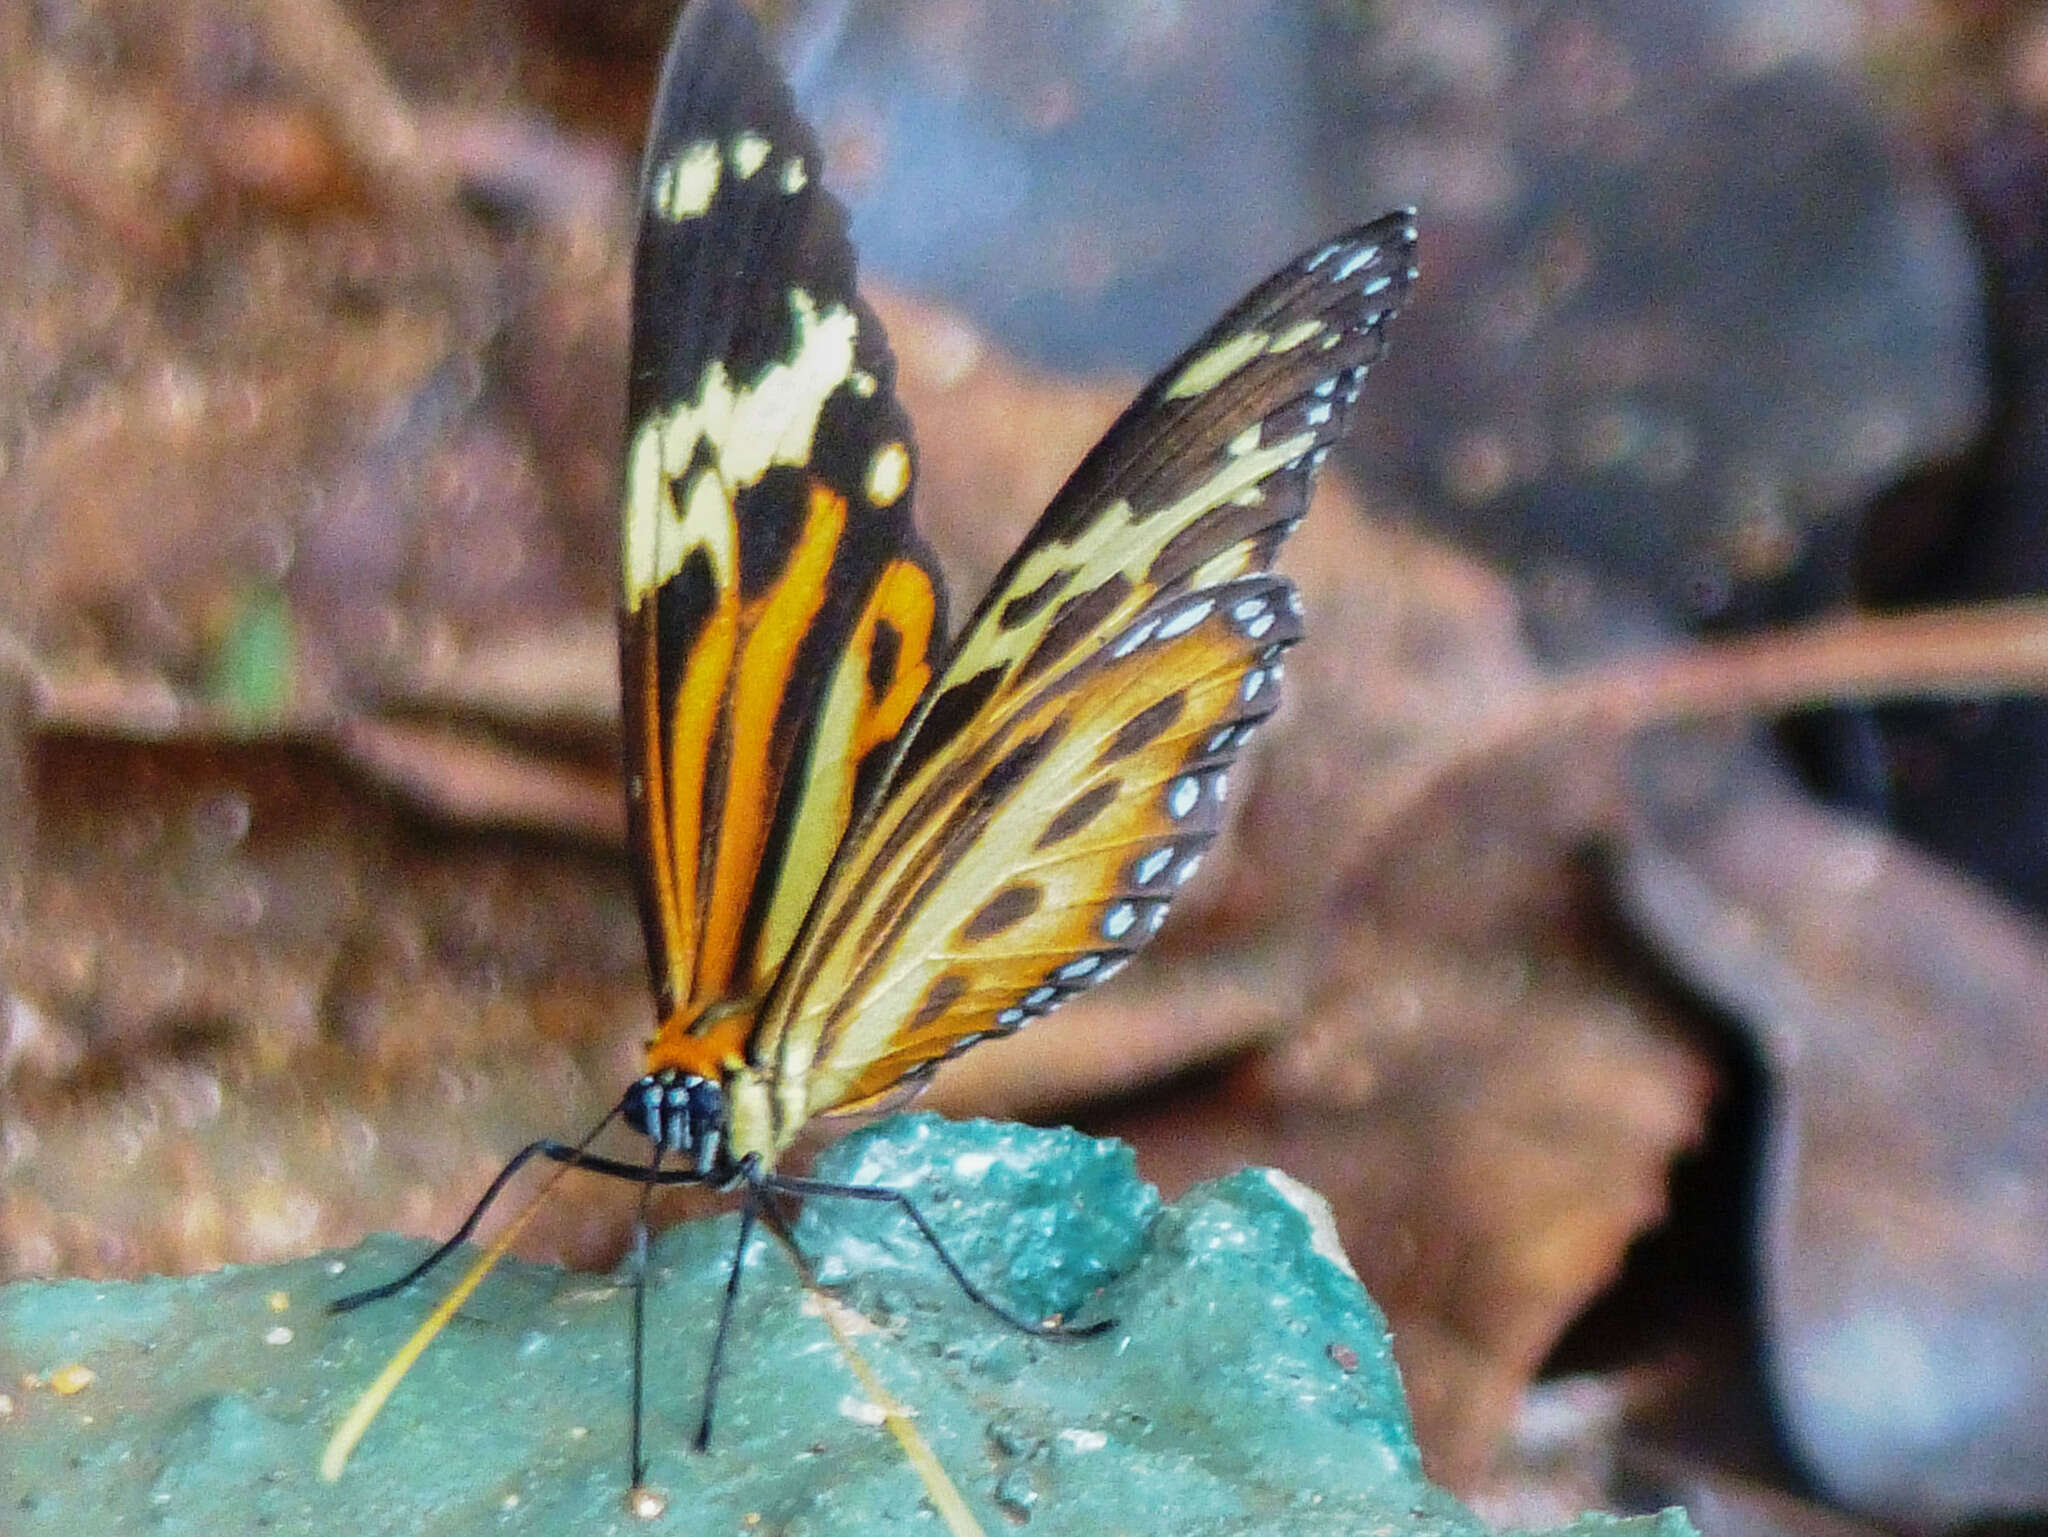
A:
750, 1211
560, 1152
638, 1251
790, 1184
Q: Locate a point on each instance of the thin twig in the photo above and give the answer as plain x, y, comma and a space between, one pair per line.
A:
1952, 653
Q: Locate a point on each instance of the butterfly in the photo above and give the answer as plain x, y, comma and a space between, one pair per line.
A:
860, 847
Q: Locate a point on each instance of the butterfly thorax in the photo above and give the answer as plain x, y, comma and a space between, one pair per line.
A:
698, 1096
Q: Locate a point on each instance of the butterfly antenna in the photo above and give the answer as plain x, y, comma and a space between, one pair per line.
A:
343, 1442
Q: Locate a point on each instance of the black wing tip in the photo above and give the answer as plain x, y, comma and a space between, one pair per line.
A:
714, 266
714, 41
1381, 248
701, 19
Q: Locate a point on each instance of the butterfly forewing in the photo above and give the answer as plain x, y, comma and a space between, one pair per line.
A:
778, 611
1013, 858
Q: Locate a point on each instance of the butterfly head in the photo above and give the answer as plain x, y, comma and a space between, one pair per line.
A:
685, 1113
695, 1091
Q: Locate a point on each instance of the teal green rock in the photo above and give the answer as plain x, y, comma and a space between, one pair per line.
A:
1246, 1386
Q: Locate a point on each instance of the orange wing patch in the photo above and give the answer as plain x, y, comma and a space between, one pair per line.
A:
727, 777
774, 626
876, 683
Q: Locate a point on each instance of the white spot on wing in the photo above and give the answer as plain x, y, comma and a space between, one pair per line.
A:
1186, 619
685, 183
1136, 638
1120, 921
747, 428
1354, 262
1185, 795
888, 474
794, 177
1149, 869
749, 151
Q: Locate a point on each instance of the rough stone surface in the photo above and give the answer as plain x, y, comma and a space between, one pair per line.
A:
1246, 1386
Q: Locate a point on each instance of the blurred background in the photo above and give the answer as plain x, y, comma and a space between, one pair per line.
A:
1634, 925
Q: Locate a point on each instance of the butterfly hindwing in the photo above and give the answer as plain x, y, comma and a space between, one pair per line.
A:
1063, 840
1000, 870
778, 610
